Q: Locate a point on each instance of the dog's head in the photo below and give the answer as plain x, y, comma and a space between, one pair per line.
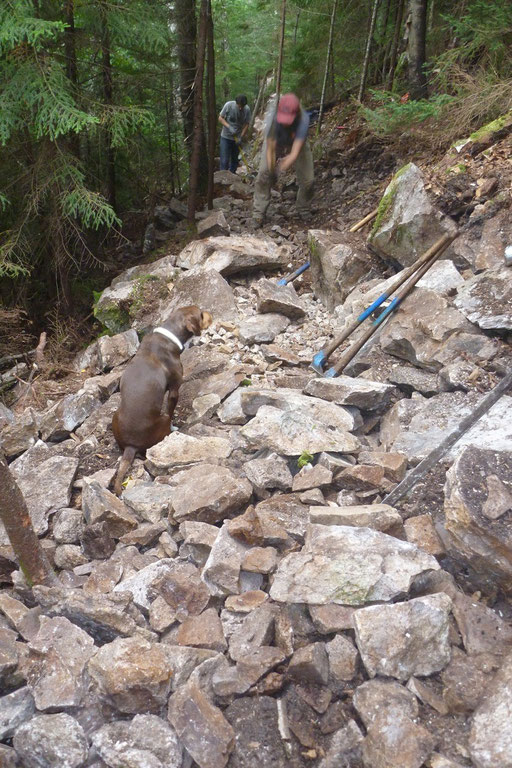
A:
189, 321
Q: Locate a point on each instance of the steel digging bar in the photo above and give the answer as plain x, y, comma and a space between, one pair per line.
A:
290, 278
352, 351
320, 359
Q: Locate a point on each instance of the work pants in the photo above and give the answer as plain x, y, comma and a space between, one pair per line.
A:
228, 154
304, 173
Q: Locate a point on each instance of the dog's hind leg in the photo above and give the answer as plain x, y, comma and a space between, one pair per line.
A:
126, 462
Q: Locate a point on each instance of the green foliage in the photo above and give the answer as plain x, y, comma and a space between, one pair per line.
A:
391, 115
305, 458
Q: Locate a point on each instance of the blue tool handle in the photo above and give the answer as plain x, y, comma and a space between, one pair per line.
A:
301, 270
330, 374
282, 281
367, 312
389, 309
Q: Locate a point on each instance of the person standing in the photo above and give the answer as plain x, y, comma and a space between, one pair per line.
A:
285, 145
234, 117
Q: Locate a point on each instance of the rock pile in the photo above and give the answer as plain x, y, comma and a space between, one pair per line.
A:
249, 601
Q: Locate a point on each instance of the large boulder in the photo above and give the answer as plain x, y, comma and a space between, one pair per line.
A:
232, 255
407, 223
336, 265
207, 288
348, 566
478, 513
490, 739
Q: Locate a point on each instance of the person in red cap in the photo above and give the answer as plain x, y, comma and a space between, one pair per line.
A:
285, 145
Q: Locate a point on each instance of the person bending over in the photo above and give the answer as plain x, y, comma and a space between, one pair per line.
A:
285, 145
234, 118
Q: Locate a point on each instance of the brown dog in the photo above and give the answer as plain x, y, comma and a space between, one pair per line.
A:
156, 369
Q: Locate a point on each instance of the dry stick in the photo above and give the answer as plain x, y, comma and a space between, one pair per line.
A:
38, 359
18, 525
321, 357
360, 224
428, 462
352, 351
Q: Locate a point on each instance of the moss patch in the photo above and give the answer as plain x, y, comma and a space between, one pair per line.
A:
387, 200
115, 317
486, 132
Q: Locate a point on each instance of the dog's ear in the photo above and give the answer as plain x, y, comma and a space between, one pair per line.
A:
193, 323
206, 320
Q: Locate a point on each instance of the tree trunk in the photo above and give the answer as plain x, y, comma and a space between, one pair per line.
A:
212, 110
168, 95
394, 48
364, 73
281, 49
108, 91
259, 100
18, 525
197, 136
71, 65
327, 62
185, 19
417, 46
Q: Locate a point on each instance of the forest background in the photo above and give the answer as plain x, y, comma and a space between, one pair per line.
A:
108, 107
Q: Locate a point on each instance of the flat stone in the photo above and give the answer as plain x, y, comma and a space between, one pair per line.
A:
393, 464
262, 329
380, 517
348, 566
344, 390
312, 477
282, 300
290, 434
233, 255
405, 639
149, 501
374, 696
66, 415
410, 380
16, 708
331, 618
179, 449
260, 560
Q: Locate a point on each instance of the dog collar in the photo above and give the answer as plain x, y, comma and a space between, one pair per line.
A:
170, 335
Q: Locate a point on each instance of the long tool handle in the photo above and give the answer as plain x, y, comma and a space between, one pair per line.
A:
433, 457
321, 357
352, 351
360, 224
290, 278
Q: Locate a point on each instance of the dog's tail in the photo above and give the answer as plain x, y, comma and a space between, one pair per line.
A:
126, 462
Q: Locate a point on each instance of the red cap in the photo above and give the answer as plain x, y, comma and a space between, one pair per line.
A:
287, 109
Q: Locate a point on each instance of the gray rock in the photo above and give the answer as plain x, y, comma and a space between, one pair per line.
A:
407, 223
256, 631
150, 501
482, 630
310, 664
345, 744
290, 433
411, 380
46, 490
486, 299
312, 477
477, 498
20, 434
232, 255
144, 742
213, 225
285, 512
66, 415
374, 696
336, 266
68, 526
405, 639
206, 288
203, 631
100, 505
178, 449
380, 517
348, 566
415, 427
15, 709
262, 329
221, 572
208, 493
201, 727
267, 473
490, 740
55, 663
344, 390
281, 299
443, 277
132, 674
117, 349
390, 735
50, 740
